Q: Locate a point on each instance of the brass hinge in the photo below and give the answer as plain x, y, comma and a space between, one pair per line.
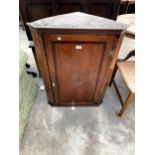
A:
112, 50
111, 53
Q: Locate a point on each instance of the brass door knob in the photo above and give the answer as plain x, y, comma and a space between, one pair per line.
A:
58, 38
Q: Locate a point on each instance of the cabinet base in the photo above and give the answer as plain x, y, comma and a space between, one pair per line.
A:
51, 103
78, 104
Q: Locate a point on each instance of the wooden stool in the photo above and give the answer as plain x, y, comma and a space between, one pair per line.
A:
127, 70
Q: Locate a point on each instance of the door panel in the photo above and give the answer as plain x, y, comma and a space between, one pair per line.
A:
77, 68
78, 65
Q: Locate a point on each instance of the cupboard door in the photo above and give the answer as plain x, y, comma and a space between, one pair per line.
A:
77, 68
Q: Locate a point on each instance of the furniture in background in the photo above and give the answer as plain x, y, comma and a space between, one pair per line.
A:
130, 7
76, 54
127, 7
127, 70
34, 74
21, 22
28, 89
128, 19
122, 7
32, 10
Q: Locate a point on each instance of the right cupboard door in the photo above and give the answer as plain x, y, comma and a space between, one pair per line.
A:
77, 70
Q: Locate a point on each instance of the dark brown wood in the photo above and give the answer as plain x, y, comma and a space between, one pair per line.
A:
80, 85
129, 55
76, 67
118, 93
32, 10
117, 46
113, 75
95, 66
127, 7
123, 6
130, 8
130, 35
42, 61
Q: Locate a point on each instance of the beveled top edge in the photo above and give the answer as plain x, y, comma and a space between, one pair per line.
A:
77, 20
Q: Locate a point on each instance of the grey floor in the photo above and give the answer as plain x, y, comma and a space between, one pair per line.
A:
83, 130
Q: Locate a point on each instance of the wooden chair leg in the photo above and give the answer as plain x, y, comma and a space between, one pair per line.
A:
113, 75
126, 103
117, 92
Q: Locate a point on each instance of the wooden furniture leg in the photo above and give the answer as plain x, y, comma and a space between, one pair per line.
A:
118, 93
31, 45
113, 75
126, 103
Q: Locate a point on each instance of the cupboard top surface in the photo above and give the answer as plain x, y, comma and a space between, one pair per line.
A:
77, 20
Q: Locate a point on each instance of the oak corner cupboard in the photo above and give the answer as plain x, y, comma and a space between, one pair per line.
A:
76, 54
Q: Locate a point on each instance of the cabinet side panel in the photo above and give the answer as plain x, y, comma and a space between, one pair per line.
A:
50, 60
41, 57
116, 49
117, 45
